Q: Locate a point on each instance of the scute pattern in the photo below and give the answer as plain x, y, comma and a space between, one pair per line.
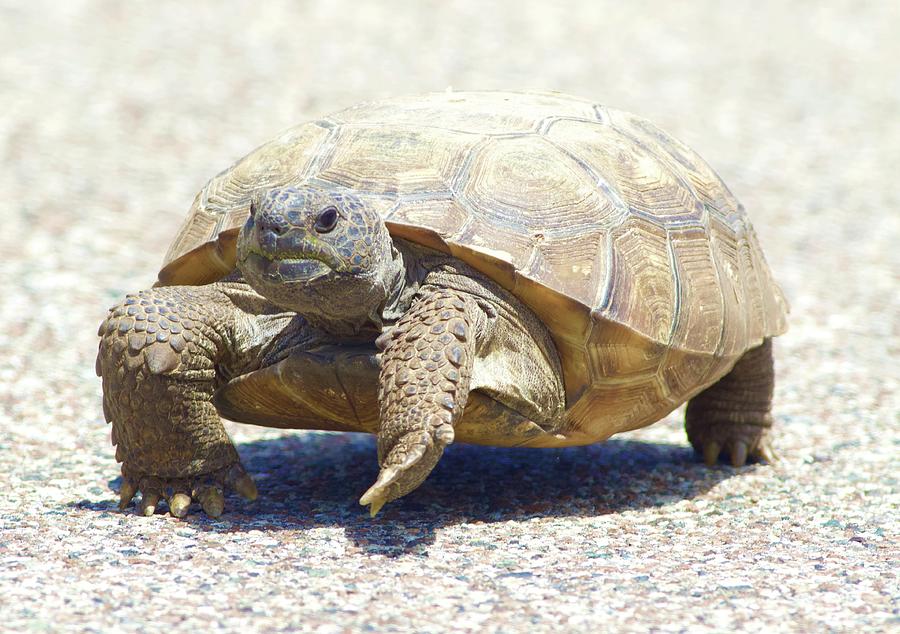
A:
619, 237
574, 263
724, 242
630, 172
641, 290
526, 182
699, 328
388, 159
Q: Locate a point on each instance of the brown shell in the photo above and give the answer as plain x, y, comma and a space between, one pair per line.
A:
625, 242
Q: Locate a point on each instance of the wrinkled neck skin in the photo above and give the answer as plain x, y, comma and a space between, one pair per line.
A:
406, 282
359, 308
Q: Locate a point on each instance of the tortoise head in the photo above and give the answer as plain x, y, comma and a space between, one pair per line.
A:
323, 253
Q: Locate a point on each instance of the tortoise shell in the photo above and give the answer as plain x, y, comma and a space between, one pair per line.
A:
629, 247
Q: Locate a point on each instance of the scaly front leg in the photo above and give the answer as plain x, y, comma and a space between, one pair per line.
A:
426, 363
163, 352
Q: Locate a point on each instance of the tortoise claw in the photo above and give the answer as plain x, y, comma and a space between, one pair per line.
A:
743, 442
377, 495
239, 480
246, 488
148, 503
711, 452
179, 504
738, 454
766, 452
207, 489
126, 493
211, 500
405, 467
375, 498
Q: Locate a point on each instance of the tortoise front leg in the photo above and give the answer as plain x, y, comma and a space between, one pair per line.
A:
426, 363
163, 352
734, 416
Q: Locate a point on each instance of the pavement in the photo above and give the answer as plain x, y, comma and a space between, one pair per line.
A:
112, 116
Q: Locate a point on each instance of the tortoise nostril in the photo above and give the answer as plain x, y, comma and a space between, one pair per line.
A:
274, 223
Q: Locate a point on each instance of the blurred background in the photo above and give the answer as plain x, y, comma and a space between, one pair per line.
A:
113, 115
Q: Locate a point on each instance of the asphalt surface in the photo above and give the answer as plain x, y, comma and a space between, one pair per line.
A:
112, 116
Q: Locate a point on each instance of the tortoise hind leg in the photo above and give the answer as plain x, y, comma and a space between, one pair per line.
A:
734, 416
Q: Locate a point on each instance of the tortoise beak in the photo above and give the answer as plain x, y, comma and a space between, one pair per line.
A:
301, 269
278, 270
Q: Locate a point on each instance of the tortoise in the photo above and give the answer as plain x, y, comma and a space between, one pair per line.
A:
501, 268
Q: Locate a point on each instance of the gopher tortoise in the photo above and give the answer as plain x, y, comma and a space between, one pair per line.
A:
513, 269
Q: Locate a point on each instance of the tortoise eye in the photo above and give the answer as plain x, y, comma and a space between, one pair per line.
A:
327, 220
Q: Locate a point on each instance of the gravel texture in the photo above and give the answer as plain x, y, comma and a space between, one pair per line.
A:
113, 114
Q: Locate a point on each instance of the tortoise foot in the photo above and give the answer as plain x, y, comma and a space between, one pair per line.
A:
406, 466
733, 416
739, 442
207, 489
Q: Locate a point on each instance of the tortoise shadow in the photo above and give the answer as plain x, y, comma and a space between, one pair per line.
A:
314, 479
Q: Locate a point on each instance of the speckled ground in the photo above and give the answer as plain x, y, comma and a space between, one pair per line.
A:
113, 114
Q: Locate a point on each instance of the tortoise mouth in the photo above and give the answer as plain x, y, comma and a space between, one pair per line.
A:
276, 269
